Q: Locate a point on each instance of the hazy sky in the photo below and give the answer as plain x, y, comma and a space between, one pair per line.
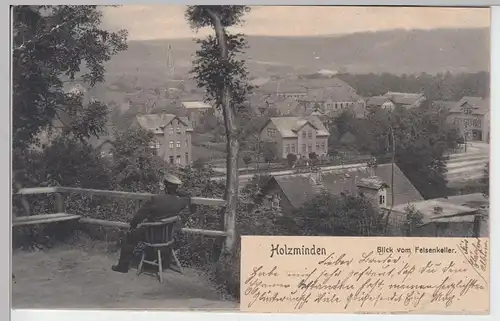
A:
167, 21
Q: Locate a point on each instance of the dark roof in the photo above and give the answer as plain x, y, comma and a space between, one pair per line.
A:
348, 138
300, 188
480, 106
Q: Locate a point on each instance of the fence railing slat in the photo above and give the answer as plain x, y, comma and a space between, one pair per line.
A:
129, 195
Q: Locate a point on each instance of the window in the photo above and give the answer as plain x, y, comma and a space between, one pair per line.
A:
381, 199
187, 158
322, 146
293, 148
171, 145
178, 144
309, 148
309, 134
317, 146
154, 145
287, 148
304, 148
467, 110
171, 130
178, 160
171, 159
304, 134
178, 130
271, 132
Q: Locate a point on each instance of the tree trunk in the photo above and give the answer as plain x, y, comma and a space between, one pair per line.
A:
231, 143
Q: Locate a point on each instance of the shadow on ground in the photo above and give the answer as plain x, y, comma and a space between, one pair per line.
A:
74, 278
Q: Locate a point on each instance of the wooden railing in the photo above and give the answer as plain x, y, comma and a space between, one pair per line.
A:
60, 214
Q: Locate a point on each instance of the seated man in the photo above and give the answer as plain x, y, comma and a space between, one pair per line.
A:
157, 208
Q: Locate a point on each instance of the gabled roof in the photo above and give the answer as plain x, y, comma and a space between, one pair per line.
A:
282, 87
480, 106
296, 196
334, 94
195, 105
377, 100
434, 209
404, 98
156, 122
286, 106
474, 200
326, 83
300, 188
288, 126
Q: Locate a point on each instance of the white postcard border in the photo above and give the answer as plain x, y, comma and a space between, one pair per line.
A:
77, 315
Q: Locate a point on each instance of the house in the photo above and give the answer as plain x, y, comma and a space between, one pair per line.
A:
286, 106
196, 110
283, 88
290, 192
471, 115
380, 102
172, 140
296, 135
391, 100
333, 100
444, 217
406, 100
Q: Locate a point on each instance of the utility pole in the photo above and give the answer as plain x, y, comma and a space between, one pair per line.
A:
392, 179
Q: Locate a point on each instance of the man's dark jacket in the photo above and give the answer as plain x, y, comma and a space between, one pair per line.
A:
161, 207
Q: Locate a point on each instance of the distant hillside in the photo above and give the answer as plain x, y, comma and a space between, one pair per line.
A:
398, 51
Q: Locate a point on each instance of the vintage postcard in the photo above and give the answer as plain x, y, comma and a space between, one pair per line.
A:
231, 158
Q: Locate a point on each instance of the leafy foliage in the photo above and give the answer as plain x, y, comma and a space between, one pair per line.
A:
214, 74
51, 43
443, 86
291, 160
198, 16
413, 218
421, 136
338, 215
269, 151
135, 166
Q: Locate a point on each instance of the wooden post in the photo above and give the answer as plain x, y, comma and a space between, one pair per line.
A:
476, 229
60, 203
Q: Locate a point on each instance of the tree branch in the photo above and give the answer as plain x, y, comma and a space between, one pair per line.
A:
54, 29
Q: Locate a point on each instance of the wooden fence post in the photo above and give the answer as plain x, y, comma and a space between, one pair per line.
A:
60, 203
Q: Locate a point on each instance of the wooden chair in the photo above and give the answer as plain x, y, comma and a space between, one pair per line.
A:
159, 236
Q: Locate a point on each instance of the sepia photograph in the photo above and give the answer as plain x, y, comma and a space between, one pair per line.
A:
149, 140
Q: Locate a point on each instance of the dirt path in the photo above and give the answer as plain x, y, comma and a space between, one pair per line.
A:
73, 278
